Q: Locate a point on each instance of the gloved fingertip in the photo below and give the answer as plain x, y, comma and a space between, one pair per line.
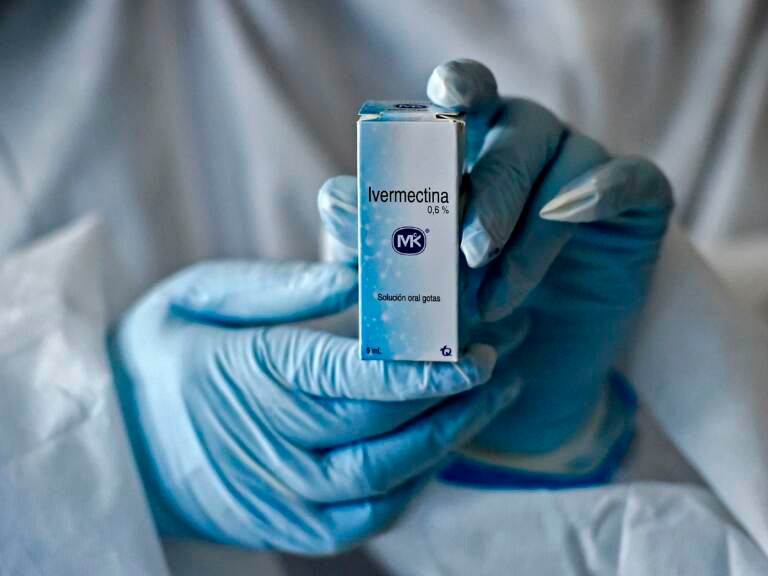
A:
461, 85
618, 186
483, 357
477, 245
338, 194
342, 188
337, 205
577, 202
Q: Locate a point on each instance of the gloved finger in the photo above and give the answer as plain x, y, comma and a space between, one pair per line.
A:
379, 465
348, 523
335, 251
631, 189
255, 462
516, 151
325, 365
536, 242
337, 204
505, 335
465, 85
247, 293
316, 423
307, 528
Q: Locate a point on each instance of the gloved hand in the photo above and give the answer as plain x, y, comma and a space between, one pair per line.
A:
560, 239
253, 431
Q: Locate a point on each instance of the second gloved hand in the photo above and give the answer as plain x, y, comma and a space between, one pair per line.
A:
253, 431
559, 239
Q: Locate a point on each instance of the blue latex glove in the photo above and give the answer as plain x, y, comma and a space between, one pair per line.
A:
560, 239
254, 432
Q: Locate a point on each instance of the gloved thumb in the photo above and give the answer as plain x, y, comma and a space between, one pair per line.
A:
271, 292
465, 85
337, 204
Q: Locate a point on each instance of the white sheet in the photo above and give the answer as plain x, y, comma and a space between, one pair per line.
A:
71, 502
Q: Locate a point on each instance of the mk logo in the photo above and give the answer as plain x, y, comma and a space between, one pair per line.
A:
409, 240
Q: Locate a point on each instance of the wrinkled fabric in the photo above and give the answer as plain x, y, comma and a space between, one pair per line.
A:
700, 364
71, 499
624, 530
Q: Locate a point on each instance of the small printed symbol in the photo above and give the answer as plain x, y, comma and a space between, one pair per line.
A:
409, 240
369, 350
426, 231
446, 351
